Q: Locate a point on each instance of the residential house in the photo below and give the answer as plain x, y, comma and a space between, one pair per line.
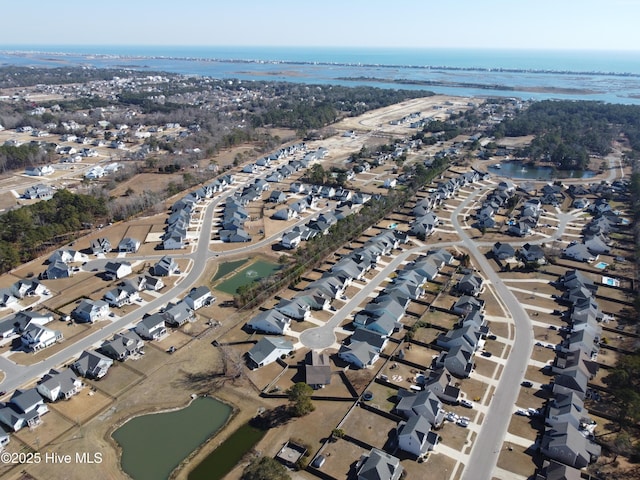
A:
39, 191
597, 244
28, 288
100, 245
92, 364
317, 369
23, 410
7, 298
117, 270
199, 297
378, 465
359, 354
277, 197
234, 236
152, 327
292, 239
285, 214
295, 308
268, 350
57, 270
467, 304
154, 284
552, 470
532, 253
36, 337
89, 311
59, 385
579, 252
315, 298
270, 321
165, 266
415, 436
566, 444
458, 360
129, 245
39, 171
470, 284
19, 322
125, 294
123, 345
439, 382
424, 403
503, 251
177, 314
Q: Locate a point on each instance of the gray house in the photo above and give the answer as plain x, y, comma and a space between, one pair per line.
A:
123, 345
166, 266
378, 465
92, 365
424, 403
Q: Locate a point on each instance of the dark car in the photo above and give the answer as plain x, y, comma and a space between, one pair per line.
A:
486, 354
491, 337
527, 384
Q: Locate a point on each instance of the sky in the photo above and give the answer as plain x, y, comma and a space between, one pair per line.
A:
512, 24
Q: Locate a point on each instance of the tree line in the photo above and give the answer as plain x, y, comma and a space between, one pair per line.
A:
567, 132
27, 231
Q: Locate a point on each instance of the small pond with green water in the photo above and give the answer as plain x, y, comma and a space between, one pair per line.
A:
250, 273
153, 445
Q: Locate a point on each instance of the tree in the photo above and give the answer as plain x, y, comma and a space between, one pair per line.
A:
265, 468
300, 398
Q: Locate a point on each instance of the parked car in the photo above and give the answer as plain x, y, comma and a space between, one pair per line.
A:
466, 403
451, 417
527, 384
462, 422
491, 337
486, 354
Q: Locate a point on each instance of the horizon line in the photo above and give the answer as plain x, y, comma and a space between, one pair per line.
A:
302, 47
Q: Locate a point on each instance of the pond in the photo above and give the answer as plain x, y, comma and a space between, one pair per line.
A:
155, 444
222, 460
518, 169
228, 267
250, 273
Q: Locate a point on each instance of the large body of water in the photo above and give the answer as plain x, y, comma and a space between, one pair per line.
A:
612, 77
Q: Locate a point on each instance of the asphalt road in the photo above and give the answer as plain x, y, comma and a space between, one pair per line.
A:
485, 452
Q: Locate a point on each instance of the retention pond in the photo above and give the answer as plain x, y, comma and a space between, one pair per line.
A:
154, 445
251, 273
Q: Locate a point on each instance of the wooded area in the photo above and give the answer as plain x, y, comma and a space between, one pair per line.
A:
567, 132
25, 232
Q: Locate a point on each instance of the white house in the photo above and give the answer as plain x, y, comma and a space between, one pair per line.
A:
198, 297
117, 269
152, 327
39, 171
57, 385
36, 337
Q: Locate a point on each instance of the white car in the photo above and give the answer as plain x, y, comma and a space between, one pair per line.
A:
522, 412
451, 417
462, 422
